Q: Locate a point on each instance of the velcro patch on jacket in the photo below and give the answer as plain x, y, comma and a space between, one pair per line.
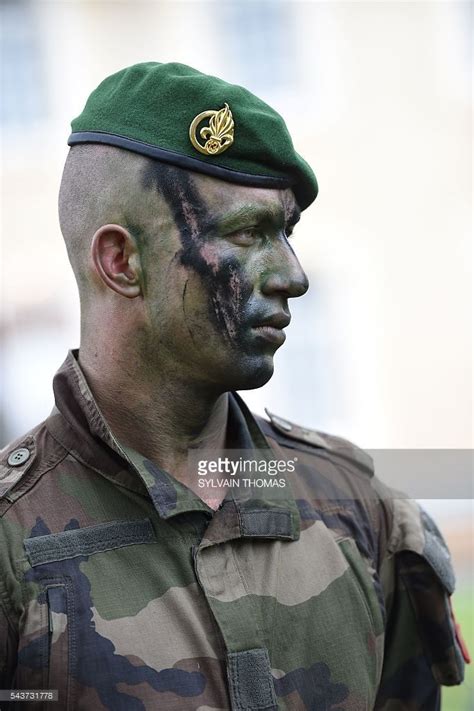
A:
88, 540
250, 681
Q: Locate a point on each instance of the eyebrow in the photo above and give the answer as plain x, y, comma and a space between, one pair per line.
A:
255, 213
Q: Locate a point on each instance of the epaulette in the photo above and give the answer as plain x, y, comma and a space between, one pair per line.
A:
290, 433
15, 461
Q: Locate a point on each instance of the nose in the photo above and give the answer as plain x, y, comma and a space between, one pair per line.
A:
283, 273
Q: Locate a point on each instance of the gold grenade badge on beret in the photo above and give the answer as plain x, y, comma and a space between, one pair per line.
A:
218, 135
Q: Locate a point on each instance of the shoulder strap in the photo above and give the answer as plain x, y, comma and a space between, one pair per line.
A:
293, 435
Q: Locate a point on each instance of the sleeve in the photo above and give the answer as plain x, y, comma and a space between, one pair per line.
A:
422, 651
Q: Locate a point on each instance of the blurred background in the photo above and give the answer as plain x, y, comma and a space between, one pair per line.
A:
377, 96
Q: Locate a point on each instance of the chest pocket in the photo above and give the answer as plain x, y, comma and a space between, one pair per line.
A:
58, 636
317, 612
61, 638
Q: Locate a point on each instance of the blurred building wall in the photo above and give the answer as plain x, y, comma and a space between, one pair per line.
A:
377, 97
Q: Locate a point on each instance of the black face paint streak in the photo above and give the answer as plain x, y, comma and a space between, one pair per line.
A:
223, 279
184, 309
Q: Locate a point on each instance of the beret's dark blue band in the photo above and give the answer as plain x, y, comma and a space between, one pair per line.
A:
179, 159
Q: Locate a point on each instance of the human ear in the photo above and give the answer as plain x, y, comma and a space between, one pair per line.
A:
116, 260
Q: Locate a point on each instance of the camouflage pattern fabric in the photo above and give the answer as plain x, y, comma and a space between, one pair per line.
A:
123, 590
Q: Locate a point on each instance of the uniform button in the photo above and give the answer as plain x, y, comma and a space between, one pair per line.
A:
18, 456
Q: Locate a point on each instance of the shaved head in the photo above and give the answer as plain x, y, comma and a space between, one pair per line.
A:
104, 185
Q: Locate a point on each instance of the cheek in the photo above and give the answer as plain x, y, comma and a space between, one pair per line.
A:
230, 290
213, 286
168, 290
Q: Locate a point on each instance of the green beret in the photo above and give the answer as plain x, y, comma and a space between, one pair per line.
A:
178, 115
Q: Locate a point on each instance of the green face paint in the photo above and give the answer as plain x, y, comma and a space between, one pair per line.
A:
229, 253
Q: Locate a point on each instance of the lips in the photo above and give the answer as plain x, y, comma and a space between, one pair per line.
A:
279, 320
270, 328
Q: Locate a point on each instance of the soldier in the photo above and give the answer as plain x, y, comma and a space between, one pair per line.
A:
125, 582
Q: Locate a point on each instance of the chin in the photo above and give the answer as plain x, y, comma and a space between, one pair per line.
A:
251, 373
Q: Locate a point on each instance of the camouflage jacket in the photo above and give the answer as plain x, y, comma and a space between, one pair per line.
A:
122, 589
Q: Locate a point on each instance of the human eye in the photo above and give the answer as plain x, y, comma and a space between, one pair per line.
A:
245, 237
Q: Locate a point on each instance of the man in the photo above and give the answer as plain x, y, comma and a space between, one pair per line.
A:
131, 579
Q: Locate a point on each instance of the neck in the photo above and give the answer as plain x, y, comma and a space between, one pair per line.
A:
154, 410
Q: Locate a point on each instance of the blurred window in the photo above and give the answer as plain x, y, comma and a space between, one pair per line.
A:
22, 81
257, 35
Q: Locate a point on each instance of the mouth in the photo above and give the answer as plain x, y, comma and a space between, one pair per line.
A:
268, 333
271, 328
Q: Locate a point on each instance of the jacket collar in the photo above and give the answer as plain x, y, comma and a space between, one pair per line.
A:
78, 424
